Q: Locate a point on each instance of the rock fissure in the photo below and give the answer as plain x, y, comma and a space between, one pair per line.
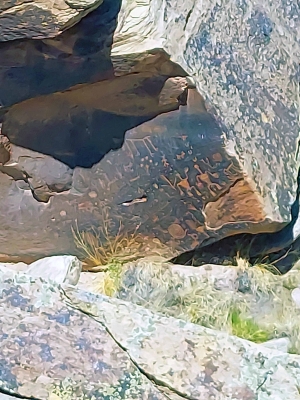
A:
150, 377
188, 17
17, 396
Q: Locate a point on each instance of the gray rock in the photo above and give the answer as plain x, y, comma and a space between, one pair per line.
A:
60, 344
221, 276
41, 19
60, 269
244, 58
281, 344
126, 350
296, 297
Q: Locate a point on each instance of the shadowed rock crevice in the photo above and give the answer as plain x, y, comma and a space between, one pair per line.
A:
79, 126
30, 68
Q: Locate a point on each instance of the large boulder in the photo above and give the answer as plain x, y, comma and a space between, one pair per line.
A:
32, 67
244, 58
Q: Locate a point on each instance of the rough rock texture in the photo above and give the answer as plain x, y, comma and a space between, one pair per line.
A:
159, 184
244, 57
52, 338
60, 346
39, 18
32, 67
179, 176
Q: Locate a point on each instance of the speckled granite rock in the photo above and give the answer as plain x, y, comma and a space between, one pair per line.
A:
196, 362
49, 347
39, 18
244, 57
127, 352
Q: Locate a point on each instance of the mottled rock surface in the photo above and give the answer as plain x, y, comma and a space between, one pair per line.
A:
39, 18
244, 57
60, 345
127, 351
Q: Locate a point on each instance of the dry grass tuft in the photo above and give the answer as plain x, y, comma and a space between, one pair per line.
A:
263, 312
99, 253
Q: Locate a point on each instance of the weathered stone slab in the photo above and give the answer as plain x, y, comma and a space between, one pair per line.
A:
194, 361
48, 348
50, 339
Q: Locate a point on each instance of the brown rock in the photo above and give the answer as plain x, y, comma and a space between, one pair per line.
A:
5, 149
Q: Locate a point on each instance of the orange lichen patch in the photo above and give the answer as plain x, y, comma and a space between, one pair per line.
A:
184, 184
217, 157
176, 231
241, 203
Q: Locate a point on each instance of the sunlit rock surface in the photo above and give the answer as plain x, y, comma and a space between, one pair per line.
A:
127, 351
244, 57
41, 19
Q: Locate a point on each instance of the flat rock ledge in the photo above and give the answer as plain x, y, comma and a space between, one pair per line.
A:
54, 336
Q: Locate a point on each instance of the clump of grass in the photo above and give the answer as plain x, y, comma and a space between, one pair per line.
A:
100, 249
157, 287
246, 328
262, 277
112, 279
264, 313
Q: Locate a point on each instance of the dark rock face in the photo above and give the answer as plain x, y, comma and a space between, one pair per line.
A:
29, 68
160, 184
79, 126
244, 57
